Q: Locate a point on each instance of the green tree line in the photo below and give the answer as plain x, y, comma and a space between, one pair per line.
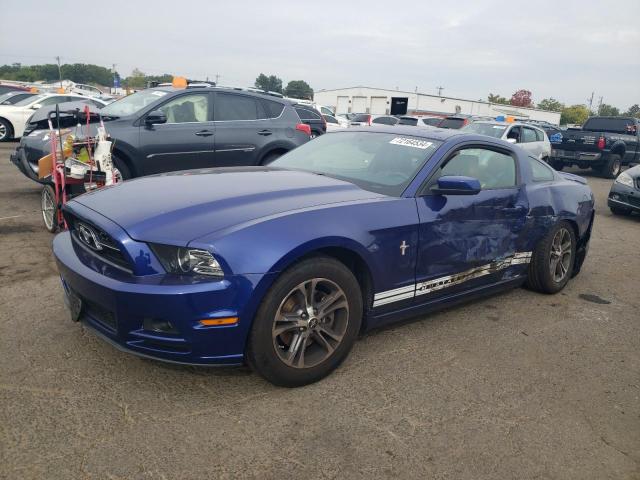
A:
295, 88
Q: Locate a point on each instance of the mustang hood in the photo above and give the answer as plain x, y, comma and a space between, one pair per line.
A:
178, 207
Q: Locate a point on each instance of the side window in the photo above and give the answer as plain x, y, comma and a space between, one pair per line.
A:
330, 119
539, 135
187, 108
307, 114
230, 107
529, 135
53, 100
493, 169
382, 120
326, 111
273, 109
515, 134
541, 172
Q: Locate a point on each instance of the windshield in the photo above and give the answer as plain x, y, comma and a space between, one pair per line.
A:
361, 117
133, 103
488, 129
379, 162
30, 100
408, 121
452, 123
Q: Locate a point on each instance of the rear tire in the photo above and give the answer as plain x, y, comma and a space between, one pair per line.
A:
611, 169
282, 322
557, 165
553, 260
6, 132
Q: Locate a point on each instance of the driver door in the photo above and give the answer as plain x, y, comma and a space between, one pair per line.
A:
467, 241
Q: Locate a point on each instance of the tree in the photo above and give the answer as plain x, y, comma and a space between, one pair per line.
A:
575, 114
634, 111
521, 98
137, 79
270, 83
550, 104
497, 99
608, 110
299, 89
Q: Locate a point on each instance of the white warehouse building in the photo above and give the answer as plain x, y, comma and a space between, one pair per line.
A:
379, 101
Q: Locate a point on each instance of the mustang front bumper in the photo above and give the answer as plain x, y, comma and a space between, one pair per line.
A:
118, 308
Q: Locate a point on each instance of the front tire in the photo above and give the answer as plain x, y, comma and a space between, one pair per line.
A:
6, 132
306, 324
557, 165
612, 168
553, 260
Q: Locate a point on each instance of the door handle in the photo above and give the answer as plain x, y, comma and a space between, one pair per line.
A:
204, 133
265, 132
516, 209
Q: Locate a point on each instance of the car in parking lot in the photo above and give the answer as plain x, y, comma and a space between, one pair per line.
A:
13, 118
417, 120
165, 129
363, 119
11, 98
312, 117
335, 122
624, 196
282, 266
532, 139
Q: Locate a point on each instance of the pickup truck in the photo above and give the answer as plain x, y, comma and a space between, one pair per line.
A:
604, 143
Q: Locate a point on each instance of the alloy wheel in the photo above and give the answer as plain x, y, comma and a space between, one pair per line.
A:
4, 131
310, 323
560, 258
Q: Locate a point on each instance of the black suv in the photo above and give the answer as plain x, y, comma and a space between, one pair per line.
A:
313, 118
165, 129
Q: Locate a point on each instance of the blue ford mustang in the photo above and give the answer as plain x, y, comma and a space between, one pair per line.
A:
282, 266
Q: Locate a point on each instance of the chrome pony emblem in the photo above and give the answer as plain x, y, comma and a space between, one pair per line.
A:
88, 237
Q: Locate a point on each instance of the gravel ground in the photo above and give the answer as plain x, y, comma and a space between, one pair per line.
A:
517, 386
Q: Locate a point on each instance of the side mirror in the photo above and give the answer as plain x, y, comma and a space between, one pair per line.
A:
512, 140
457, 185
36, 106
155, 117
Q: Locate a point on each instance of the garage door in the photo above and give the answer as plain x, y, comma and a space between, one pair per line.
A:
359, 105
343, 105
378, 105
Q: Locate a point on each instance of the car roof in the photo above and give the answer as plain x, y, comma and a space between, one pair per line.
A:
506, 124
430, 133
211, 88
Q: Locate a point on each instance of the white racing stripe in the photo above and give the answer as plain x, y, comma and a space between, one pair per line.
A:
422, 288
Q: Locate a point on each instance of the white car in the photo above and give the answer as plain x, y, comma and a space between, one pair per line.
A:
335, 122
532, 139
13, 118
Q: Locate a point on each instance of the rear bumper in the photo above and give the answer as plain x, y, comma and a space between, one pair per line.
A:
621, 196
116, 309
569, 156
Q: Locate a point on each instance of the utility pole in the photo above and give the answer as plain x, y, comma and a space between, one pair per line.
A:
59, 71
599, 105
591, 102
439, 90
217, 78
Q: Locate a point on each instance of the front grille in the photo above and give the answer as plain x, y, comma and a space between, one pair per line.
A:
109, 249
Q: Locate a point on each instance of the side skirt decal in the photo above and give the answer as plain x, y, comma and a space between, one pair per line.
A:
422, 288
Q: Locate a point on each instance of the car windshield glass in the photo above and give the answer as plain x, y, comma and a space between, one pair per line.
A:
408, 121
361, 117
29, 100
488, 129
452, 123
133, 103
379, 162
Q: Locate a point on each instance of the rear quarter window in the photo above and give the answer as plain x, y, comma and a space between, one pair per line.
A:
307, 114
272, 109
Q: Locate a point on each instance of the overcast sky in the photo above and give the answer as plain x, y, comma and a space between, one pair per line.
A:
564, 49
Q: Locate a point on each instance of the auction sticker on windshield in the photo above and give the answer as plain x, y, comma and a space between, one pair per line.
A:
411, 142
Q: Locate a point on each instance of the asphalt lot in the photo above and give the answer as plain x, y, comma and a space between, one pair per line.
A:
517, 386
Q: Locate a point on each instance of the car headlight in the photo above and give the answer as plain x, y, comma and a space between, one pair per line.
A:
187, 261
625, 179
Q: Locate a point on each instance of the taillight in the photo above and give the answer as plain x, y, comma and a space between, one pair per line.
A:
601, 143
303, 127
